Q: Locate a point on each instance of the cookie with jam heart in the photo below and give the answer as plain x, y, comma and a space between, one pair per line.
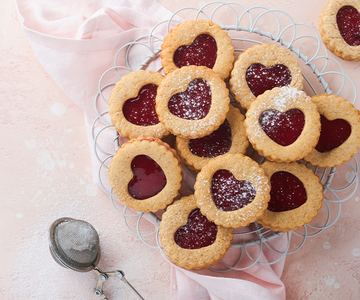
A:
340, 132
261, 68
232, 190
283, 124
339, 27
189, 239
198, 43
145, 174
295, 198
230, 137
192, 102
132, 105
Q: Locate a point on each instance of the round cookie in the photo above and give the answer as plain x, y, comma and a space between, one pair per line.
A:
200, 43
260, 68
339, 25
192, 102
189, 239
296, 196
340, 132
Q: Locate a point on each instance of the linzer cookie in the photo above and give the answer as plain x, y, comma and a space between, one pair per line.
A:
198, 43
192, 102
340, 132
230, 137
339, 26
145, 174
132, 105
296, 196
232, 190
261, 68
283, 124
189, 239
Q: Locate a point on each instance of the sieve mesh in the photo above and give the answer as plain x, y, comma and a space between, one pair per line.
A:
76, 243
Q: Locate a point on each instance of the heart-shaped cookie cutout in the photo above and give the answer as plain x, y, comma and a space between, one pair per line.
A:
282, 128
230, 194
194, 103
215, 144
287, 192
141, 110
198, 232
148, 178
261, 78
333, 134
202, 52
348, 21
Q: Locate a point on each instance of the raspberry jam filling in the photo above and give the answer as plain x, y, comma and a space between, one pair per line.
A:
333, 134
282, 128
141, 110
260, 78
215, 144
348, 21
229, 193
194, 103
198, 232
148, 180
202, 52
287, 192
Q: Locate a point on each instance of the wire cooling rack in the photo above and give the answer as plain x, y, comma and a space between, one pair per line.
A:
246, 27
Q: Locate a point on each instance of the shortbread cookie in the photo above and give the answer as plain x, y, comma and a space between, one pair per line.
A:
132, 105
192, 102
339, 26
199, 43
283, 124
189, 239
340, 132
261, 68
296, 196
230, 137
232, 190
145, 174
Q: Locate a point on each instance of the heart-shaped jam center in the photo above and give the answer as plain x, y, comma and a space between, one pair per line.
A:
148, 180
215, 144
348, 21
202, 52
333, 134
229, 193
260, 78
141, 110
198, 232
282, 128
194, 103
287, 192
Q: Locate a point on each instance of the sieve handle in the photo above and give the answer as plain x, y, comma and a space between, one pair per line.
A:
103, 276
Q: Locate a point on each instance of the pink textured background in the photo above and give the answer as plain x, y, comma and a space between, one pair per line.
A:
46, 174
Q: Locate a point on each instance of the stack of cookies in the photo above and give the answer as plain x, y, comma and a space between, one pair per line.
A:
192, 103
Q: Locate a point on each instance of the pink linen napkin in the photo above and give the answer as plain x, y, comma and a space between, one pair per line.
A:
76, 42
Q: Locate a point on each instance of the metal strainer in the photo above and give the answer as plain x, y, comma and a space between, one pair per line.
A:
74, 244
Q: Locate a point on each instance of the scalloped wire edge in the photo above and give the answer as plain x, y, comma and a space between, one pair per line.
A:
277, 38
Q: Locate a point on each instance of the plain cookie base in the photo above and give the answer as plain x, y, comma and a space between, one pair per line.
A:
282, 100
333, 107
293, 219
175, 217
127, 88
243, 168
239, 141
267, 55
185, 33
120, 173
329, 30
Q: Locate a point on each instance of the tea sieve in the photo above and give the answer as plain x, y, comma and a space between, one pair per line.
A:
74, 244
